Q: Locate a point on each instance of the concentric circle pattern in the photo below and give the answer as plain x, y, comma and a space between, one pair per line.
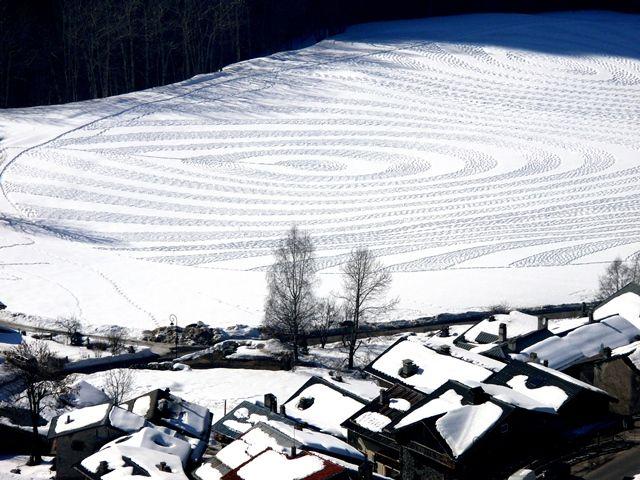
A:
493, 140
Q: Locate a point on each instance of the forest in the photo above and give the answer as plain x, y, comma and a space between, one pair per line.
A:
56, 51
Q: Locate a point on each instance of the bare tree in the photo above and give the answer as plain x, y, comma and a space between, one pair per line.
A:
118, 384
328, 316
41, 373
365, 283
290, 305
70, 325
617, 275
116, 339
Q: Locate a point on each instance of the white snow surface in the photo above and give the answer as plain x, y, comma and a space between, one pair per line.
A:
584, 342
463, 426
495, 151
434, 369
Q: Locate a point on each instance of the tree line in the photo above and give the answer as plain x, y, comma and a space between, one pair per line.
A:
55, 51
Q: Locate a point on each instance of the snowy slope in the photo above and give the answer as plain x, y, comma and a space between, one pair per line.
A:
496, 151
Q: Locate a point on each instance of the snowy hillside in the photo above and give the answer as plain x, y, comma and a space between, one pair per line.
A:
483, 157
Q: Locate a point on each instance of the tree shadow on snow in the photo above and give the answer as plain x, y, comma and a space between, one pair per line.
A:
560, 33
43, 228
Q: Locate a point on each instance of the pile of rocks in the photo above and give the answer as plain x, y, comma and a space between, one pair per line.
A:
193, 334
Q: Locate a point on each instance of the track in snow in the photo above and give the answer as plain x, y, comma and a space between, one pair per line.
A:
439, 143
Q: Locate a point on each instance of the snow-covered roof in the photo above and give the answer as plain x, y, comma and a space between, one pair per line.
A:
154, 439
186, 416
125, 420
125, 462
433, 368
463, 426
626, 304
81, 418
517, 323
584, 342
161, 407
243, 417
324, 406
449, 400
317, 441
301, 467
256, 440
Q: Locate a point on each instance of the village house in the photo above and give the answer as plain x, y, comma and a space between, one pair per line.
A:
618, 372
147, 453
450, 410
78, 434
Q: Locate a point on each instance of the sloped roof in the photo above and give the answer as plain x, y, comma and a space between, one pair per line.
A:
305, 466
163, 408
625, 302
243, 417
434, 368
105, 414
329, 406
584, 342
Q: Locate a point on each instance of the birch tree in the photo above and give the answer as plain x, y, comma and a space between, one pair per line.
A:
365, 285
290, 306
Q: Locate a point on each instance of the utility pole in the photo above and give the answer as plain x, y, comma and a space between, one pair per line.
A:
174, 323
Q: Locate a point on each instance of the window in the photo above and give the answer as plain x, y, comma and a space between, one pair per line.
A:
77, 445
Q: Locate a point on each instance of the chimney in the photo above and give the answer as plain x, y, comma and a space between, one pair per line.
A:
543, 323
271, 402
584, 309
591, 320
512, 345
533, 357
477, 396
605, 352
293, 452
444, 349
408, 368
365, 470
283, 410
502, 332
383, 397
545, 362
444, 332
103, 468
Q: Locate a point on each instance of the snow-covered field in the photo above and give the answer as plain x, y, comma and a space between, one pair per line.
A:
484, 158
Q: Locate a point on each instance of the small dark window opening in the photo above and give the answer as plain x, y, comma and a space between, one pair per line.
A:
77, 445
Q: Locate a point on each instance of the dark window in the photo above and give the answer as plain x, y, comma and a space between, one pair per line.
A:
77, 445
